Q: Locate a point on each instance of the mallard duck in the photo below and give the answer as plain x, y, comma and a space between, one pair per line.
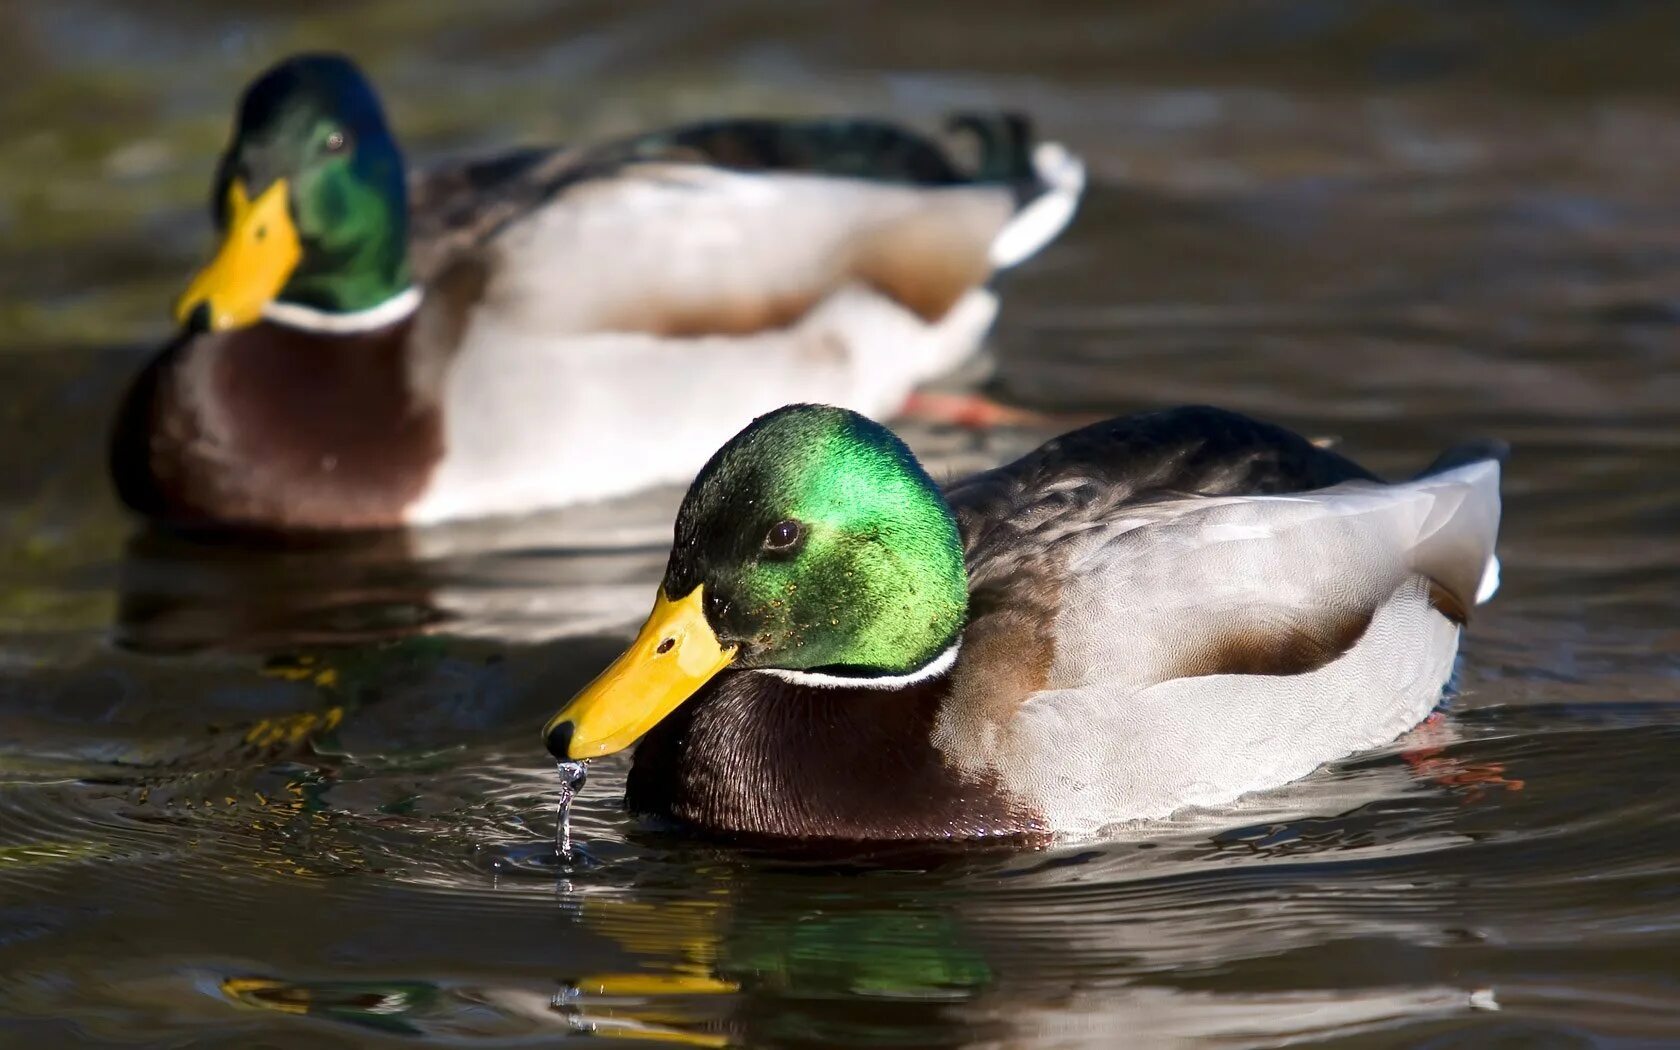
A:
1150, 613
553, 326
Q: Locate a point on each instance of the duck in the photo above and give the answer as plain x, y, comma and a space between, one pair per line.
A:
370, 350
1154, 612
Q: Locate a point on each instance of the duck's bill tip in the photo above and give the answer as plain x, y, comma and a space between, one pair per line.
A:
675, 653
259, 251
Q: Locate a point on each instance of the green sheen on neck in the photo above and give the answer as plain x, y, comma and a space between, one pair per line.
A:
357, 256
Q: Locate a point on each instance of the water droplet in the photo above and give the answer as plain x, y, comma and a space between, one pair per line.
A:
572, 776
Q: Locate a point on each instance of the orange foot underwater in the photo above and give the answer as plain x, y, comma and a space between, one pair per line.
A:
979, 412
1472, 779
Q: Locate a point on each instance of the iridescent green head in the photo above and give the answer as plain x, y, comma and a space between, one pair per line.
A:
813, 542
822, 546
310, 198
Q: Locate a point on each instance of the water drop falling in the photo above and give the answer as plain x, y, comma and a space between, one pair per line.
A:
572, 776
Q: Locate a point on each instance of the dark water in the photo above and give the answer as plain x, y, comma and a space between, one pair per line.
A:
297, 798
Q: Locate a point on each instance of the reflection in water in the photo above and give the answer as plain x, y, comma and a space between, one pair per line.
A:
709, 975
182, 595
389, 1007
852, 974
1174, 933
521, 580
810, 964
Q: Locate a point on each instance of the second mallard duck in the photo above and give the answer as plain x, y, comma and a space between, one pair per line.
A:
1154, 612
553, 325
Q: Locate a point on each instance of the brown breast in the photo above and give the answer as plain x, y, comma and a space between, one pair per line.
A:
756, 756
271, 427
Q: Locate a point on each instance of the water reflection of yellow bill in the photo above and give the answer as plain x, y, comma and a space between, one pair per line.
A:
684, 934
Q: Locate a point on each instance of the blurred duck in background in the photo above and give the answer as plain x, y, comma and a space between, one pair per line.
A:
371, 350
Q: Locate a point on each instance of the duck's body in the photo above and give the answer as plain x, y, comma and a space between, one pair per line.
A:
570, 325
1162, 611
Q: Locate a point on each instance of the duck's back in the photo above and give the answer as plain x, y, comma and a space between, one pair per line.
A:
1086, 477
1181, 607
702, 276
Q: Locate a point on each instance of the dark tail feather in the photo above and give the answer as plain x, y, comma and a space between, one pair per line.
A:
1465, 453
1044, 177
1005, 141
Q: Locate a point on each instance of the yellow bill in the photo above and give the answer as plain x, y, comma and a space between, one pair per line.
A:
674, 655
259, 251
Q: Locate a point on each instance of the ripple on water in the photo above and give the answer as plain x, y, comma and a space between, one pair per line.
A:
1368, 878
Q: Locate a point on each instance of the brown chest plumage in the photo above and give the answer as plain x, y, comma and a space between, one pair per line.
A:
270, 426
756, 756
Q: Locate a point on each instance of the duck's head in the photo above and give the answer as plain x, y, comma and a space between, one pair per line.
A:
812, 545
309, 199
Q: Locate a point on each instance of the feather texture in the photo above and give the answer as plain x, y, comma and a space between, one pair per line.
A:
1154, 572
1167, 610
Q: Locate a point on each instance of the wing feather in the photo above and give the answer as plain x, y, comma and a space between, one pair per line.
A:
673, 249
739, 226
1267, 584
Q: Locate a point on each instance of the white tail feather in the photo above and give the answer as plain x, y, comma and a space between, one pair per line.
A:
1038, 223
1490, 580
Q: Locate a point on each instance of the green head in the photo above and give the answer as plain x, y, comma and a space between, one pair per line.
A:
822, 545
812, 542
310, 198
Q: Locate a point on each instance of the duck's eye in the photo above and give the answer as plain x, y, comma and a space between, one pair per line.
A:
783, 536
336, 141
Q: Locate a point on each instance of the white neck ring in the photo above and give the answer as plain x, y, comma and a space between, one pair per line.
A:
310, 319
933, 669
